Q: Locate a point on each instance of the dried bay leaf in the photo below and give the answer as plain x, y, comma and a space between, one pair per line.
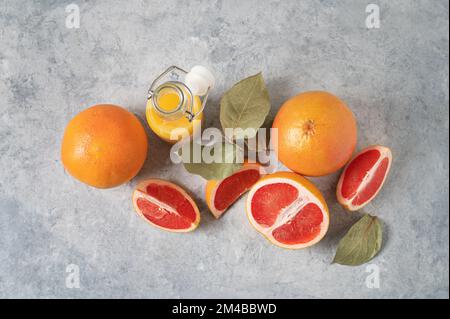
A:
223, 160
246, 105
361, 243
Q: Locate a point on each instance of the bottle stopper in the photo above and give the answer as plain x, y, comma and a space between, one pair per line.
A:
199, 79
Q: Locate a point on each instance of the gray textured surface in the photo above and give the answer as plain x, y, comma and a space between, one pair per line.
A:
395, 79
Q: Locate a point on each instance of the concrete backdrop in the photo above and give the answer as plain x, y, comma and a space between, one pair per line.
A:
394, 78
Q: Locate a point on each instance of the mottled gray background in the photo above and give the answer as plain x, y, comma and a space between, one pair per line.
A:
394, 78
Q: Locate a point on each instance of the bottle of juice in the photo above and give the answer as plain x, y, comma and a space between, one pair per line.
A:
173, 105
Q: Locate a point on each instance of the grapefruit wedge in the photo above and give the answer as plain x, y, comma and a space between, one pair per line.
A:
166, 206
288, 210
363, 177
221, 194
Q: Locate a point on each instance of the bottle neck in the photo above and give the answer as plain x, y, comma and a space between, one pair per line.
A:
172, 100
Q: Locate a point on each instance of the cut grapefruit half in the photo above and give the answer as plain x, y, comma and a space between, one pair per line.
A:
363, 177
221, 194
288, 210
166, 206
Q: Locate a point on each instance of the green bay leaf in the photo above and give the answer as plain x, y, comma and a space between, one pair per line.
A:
246, 105
361, 243
223, 159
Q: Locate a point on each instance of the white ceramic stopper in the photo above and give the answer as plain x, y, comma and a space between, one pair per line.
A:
199, 79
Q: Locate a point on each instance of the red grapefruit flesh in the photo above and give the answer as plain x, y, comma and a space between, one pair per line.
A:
166, 205
363, 177
220, 195
288, 210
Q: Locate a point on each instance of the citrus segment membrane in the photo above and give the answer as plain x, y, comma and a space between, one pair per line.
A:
166, 205
357, 172
232, 187
288, 211
221, 194
373, 185
270, 200
363, 177
288, 215
304, 226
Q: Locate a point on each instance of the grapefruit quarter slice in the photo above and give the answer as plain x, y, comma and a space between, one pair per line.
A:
221, 194
363, 177
166, 206
288, 210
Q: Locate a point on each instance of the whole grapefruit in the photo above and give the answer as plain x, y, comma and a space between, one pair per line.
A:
104, 146
316, 133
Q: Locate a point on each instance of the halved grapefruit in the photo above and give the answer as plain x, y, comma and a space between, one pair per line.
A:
221, 194
363, 177
166, 205
288, 210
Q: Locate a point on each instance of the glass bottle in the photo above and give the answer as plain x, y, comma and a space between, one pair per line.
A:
176, 99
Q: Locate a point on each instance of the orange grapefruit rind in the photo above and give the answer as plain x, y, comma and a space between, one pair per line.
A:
317, 133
